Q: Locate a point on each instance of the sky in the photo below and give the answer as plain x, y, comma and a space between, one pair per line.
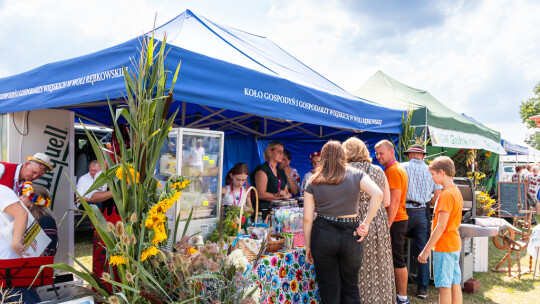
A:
480, 58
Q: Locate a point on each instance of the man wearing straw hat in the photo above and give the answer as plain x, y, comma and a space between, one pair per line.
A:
14, 175
420, 187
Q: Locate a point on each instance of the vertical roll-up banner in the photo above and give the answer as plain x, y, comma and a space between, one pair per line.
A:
50, 132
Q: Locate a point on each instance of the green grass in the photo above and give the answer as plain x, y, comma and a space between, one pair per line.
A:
495, 287
83, 249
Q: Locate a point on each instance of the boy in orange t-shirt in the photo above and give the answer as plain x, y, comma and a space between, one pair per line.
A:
445, 235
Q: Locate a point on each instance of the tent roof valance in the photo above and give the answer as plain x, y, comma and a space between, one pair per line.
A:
514, 149
223, 69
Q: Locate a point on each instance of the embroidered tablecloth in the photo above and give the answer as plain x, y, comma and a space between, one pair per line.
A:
288, 278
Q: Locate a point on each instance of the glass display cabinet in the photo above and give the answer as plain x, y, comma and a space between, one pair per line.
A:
198, 156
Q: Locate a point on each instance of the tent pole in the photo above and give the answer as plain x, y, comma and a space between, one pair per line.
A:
340, 130
205, 118
306, 131
284, 129
217, 122
183, 113
91, 120
234, 122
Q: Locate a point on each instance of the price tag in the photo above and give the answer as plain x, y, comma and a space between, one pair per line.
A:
205, 203
206, 158
211, 162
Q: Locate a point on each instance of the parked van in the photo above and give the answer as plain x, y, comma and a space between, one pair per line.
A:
507, 173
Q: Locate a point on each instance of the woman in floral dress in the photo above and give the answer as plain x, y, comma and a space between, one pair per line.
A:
376, 274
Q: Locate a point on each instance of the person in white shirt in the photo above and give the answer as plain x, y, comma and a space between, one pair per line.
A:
527, 170
198, 154
314, 158
85, 182
13, 212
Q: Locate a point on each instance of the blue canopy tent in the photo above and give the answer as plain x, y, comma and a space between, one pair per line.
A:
514, 149
229, 80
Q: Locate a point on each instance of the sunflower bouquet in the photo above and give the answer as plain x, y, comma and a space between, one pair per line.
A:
485, 205
143, 264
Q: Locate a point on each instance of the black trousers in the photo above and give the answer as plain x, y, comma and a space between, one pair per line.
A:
337, 257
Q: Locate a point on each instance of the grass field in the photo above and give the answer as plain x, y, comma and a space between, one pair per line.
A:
494, 287
83, 249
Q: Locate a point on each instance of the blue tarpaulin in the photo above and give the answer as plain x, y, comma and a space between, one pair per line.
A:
245, 149
222, 68
514, 149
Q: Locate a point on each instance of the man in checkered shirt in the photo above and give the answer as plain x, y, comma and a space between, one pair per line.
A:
419, 195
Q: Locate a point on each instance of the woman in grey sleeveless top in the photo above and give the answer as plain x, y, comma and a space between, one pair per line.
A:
376, 275
331, 244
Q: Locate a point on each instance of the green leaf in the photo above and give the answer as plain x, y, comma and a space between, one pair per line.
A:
147, 277
176, 75
101, 179
83, 275
96, 218
150, 52
123, 286
124, 113
187, 222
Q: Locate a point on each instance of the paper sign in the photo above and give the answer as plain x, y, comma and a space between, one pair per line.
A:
211, 162
205, 203
206, 158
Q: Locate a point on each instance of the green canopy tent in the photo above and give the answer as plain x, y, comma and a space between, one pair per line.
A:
449, 131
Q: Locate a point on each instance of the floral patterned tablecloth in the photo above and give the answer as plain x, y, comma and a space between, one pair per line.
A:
287, 277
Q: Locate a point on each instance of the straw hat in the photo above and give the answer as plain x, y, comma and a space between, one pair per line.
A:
416, 149
43, 159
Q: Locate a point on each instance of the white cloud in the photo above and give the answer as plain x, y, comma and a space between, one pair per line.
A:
514, 132
478, 58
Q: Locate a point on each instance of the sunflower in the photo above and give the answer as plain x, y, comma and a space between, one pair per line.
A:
154, 219
117, 260
120, 174
149, 252
160, 234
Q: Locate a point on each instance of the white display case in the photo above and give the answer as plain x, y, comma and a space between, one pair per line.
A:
198, 156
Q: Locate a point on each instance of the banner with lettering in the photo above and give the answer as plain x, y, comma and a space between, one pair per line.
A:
461, 140
50, 132
247, 74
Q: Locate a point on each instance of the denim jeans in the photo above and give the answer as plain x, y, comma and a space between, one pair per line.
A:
337, 257
418, 229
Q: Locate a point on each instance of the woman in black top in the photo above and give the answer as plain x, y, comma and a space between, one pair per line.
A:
331, 243
271, 182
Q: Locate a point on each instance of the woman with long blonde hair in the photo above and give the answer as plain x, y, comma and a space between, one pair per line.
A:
334, 239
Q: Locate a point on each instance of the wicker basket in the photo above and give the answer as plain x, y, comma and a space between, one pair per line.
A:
250, 252
247, 245
273, 246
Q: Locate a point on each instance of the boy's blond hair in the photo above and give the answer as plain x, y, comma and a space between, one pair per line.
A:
444, 163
